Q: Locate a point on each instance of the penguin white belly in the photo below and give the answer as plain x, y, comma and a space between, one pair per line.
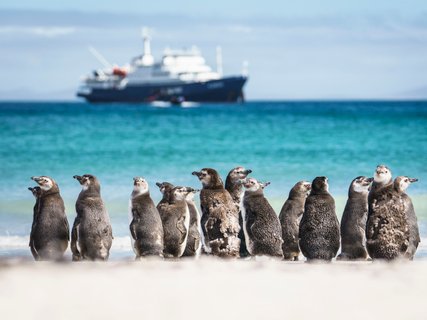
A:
249, 243
187, 226
130, 217
199, 229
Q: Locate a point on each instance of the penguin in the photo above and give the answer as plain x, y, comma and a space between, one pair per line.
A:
353, 221
261, 225
234, 186
50, 232
175, 217
92, 235
414, 233
290, 217
319, 230
387, 230
146, 227
194, 241
220, 217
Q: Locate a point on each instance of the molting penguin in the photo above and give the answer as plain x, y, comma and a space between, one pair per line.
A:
50, 231
146, 225
353, 222
319, 230
194, 241
220, 217
175, 217
290, 217
92, 236
233, 184
387, 230
260, 223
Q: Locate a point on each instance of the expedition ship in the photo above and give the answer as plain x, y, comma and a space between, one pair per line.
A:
179, 76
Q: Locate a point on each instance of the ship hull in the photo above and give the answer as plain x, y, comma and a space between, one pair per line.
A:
228, 89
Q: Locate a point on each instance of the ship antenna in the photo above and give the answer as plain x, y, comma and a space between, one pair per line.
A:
219, 60
245, 68
147, 58
100, 57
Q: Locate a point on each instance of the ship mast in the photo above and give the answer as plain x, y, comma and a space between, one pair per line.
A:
147, 58
219, 60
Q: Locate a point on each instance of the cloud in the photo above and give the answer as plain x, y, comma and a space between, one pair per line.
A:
39, 31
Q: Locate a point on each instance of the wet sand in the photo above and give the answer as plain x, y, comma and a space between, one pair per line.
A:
210, 288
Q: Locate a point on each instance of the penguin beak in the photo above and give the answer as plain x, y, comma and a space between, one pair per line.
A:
78, 178
158, 184
36, 179
248, 171
413, 180
370, 180
31, 189
264, 184
196, 173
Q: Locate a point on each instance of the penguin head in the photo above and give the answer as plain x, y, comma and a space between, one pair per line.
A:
140, 185
361, 184
87, 181
164, 186
382, 174
401, 183
300, 189
36, 191
209, 178
45, 183
239, 173
252, 185
320, 185
180, 193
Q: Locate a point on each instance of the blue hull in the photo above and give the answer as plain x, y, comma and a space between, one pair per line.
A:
223, 90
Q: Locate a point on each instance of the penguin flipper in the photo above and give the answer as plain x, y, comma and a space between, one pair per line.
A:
67, 227
133, 229
74, 238
180, 225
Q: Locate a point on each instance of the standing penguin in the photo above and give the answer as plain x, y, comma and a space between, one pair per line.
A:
50, 231
92, 236
387, 230
260, 223
194, 241
220, 217
146, 225
353, 222
234, 186
175, 217
290, 217
414, 232
319, 230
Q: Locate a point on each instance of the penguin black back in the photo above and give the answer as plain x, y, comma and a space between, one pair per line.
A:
290, 217
319, 228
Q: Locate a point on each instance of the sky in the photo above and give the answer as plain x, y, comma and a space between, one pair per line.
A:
329, 49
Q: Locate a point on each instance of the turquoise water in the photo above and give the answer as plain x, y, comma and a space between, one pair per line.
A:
282, 142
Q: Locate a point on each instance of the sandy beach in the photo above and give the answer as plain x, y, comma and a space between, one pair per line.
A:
210, 288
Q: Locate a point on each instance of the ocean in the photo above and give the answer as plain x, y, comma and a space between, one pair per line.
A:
282, 142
